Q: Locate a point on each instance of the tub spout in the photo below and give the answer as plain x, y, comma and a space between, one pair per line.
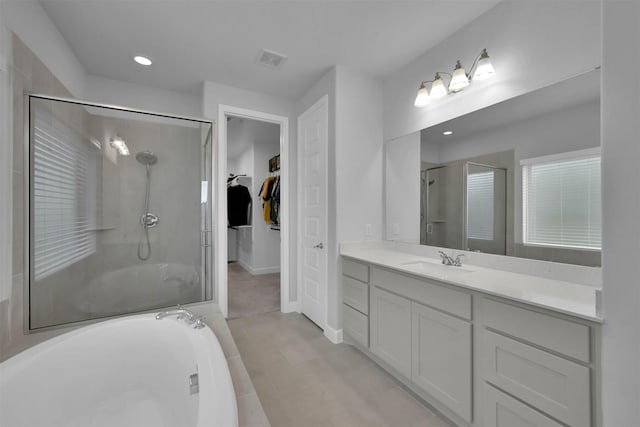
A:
180, 313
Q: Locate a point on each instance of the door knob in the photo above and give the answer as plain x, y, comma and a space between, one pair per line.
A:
318, 246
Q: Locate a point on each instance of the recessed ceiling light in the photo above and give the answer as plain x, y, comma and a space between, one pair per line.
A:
142, 60
447, 132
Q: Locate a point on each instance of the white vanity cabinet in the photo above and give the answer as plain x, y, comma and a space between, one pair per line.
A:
481, 360
423, 330
391, 329
355, 301
441, 359
542, 360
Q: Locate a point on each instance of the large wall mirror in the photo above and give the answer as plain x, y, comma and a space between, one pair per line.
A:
519, 178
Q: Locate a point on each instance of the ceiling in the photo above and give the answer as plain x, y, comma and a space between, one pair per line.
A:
568, 93
191, 41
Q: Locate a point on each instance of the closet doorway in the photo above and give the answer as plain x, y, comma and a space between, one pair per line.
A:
252, 271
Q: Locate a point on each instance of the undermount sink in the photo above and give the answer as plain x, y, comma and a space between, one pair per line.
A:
432, 268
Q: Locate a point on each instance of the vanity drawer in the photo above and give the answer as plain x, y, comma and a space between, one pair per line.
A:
355, 294
501, 410
355, 269
550, 383
424, 291
563, 336
356, 325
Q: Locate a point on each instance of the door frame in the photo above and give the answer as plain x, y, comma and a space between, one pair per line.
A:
329, 332
221, 256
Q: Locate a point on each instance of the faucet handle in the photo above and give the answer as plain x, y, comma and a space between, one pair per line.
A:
457, 262
199, 323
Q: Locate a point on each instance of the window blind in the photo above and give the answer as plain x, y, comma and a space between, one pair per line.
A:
562, 202
480, 203
61, 196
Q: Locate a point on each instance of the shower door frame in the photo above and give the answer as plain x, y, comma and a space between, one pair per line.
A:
206, 240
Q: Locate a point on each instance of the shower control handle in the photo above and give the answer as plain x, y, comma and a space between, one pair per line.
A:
148, 220
318, 246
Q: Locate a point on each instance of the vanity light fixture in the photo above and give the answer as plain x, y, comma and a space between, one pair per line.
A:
119, 144
142, 60
481, 69
447, 132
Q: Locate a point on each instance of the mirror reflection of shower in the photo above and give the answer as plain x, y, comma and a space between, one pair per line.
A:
147, 219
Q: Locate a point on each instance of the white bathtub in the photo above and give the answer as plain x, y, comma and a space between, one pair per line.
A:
128, 372
139, 288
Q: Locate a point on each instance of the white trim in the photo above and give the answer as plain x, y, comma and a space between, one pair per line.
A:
6, 168
569, 155
221, 202
260, 270
322, 102
334, 335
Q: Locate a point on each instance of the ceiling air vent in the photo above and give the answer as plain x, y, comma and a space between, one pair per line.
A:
271, 59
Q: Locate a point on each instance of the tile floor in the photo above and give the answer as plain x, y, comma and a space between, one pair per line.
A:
304, 380
249, 295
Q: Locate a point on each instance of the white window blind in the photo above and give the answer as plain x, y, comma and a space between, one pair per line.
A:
562, 201
480, 205
62, 197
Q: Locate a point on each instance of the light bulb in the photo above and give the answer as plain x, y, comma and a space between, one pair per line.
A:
142, 60
119, 144
438, 89
422, 98
484, 69
459, 79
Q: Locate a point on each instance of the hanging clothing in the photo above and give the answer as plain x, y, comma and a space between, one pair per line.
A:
238, 205
270, 196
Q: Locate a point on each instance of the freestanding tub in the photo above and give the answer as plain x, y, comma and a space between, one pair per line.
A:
132, 371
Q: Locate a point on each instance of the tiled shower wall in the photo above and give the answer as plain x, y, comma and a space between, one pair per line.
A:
27, 74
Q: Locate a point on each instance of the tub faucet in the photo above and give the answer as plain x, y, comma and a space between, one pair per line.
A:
180, 313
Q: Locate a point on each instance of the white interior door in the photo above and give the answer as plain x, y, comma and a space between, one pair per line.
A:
312, 253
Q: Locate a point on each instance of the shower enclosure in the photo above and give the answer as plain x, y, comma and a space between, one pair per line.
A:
463, 205
119, 211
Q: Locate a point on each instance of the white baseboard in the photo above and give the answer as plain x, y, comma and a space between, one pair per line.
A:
258, 271
291, 307
334, 335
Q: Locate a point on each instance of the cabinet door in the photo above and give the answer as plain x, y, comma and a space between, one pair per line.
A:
442, 358
500, 410
390, 329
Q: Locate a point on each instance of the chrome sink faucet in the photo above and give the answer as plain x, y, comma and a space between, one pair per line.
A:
449, 260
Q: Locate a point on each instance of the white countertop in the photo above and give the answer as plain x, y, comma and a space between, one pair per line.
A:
562, 296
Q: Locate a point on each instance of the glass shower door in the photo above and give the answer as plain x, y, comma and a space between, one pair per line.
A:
119, 211
486, 209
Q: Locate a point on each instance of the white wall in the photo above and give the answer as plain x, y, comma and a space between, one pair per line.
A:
354, 166
402, 188
531, 44
266, 242
326, 86
108, 91
621, 210
215, 94
358, 163
29, 21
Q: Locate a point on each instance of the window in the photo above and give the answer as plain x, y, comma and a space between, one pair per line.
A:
561, 200
480, 205
63, 195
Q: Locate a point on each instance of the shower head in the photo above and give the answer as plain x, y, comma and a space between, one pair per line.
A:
147, 158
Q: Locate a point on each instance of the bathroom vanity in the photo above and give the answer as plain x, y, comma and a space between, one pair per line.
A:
483, 346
